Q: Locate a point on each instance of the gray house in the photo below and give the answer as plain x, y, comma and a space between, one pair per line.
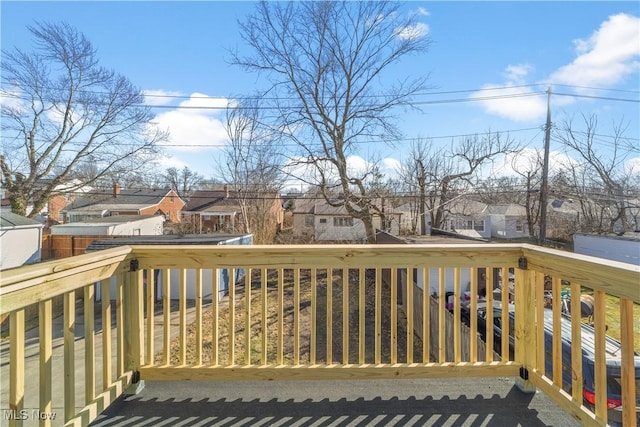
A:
20, 240
508, 221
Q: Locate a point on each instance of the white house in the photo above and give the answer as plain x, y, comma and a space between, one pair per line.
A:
325, 223
508, 221
123, 225
20, 240
622, 248
464, 215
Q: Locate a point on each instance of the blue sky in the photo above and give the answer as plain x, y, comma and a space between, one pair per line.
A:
181, 49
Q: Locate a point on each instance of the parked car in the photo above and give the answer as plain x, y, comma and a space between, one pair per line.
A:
613, 352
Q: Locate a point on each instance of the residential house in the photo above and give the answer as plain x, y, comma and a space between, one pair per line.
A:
212, 211
20, 240
563, 218
468, 217
63, 195
508, 221
315, 218
165, 202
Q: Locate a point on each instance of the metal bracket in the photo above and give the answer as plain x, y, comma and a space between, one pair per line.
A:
134, 265
522, 263
524, 374
135, 377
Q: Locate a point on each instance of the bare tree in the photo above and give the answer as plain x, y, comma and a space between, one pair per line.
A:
251, 164
63, 110
326, 62
600, 179
183, 181
531, 179
417, 173
442, 175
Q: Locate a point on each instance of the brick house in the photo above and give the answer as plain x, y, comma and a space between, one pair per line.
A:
165, 202
219, 210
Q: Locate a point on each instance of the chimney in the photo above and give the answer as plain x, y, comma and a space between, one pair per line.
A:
116, 189
226, 191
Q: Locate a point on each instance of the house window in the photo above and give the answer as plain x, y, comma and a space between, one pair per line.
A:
323, 220
519, 225
474, 225
308, 221
343, 222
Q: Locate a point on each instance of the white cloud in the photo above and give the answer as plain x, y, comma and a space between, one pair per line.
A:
517, 73
515, 164
512, 102
156, 97
422, 11
201, 103
10, 98
412, 32
632, 166
193, 129
356, 165
607, 57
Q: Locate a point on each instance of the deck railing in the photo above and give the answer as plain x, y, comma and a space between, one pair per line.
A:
302, 312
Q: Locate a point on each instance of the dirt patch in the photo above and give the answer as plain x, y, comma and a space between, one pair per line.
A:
283, 318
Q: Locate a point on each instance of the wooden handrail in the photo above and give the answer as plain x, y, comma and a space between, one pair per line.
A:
277, 277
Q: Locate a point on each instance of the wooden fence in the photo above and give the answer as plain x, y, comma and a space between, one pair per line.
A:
56, 247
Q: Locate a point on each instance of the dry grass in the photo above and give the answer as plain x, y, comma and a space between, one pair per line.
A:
285, 321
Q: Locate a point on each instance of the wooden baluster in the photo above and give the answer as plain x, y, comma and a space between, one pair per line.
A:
314, 315
89, 345
442, 301
16, 366
215, 324
329, 316
393, 338
69, 355
378, 317
198, 321
345, 316
361, 316
45, 314
409, 310
247, 316
151, 299
426, 316
105, 295
265, 308
166, 313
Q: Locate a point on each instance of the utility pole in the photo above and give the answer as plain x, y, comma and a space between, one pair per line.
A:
544, 190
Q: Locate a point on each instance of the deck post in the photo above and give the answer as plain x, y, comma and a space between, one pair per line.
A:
134, 328
525, 328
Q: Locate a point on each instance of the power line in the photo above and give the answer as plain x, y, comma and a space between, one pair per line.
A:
606, 98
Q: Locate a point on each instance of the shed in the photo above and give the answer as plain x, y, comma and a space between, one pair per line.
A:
122, 225
174, 274
20, 240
